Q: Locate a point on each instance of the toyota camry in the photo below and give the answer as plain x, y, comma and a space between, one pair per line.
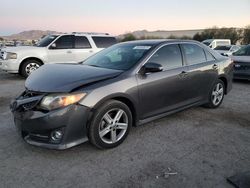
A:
125, 85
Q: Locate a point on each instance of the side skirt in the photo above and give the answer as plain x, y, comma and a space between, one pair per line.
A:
143, 121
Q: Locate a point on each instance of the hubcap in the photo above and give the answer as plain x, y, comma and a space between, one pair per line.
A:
113, 126
31, 67
217, 94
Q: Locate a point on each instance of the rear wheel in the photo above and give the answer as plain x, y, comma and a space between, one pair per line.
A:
110, 124
216, 95
29, 66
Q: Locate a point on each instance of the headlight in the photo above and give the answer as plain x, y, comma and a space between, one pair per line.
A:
9, 55
4, 56
52, 102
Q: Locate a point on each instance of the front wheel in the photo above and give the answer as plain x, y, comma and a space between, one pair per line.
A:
110, 124
216, 95
29, 66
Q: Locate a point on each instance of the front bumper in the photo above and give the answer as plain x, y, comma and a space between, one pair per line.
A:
242, 70
36, 126
11, 65
242, 75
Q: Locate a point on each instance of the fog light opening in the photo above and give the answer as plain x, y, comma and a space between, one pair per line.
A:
56, 135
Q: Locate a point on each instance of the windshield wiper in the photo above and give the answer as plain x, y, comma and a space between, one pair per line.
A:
93, 65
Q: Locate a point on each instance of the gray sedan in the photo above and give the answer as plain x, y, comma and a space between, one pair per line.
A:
125, 85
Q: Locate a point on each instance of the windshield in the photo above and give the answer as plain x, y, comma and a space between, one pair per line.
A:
222, 48
206, 43
242, 51
46, 40
118, 57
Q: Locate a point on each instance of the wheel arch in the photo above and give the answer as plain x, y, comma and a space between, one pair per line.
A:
124, 99
29, 58
224, 80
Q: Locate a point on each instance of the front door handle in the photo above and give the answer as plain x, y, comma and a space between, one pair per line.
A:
69, 52
215, 66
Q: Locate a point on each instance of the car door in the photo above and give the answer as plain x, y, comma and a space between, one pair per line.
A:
163, 91
82, 48
61, 51
202, 71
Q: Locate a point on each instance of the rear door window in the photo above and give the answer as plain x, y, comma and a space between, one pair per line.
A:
81, 42
194, 54
104, 42
168, 56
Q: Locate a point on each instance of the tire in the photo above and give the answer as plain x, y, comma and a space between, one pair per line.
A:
216, 94
29, 66
110, 125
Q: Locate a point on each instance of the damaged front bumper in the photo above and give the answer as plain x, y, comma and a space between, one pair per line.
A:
37, 127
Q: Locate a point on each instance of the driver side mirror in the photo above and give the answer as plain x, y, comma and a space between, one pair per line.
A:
53, 46
151, 67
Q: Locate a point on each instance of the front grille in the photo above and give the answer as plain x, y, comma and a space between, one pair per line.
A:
242, 65
30, 105
27, 101
242, 68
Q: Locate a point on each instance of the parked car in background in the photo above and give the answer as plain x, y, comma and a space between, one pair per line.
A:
241, 60
127, 84
213, 43
227, 50
56, 48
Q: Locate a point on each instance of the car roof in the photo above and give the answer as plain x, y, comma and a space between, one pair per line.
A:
155, 42
84, 34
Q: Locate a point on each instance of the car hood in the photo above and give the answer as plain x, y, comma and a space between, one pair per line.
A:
240, 58
66, 77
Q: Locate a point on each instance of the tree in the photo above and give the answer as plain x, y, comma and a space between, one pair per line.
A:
185, 37
149, 37
246, 35
219, 33
198, 37
128, 37
1, 39
172, 37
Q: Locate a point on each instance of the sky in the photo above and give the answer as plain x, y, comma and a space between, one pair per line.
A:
121, 16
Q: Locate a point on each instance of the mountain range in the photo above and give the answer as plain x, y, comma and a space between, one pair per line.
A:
37, 34
164, 33
29, 35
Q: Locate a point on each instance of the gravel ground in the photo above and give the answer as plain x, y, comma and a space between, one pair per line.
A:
202, 146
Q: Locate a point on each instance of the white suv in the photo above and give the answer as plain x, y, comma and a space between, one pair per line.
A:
56, 48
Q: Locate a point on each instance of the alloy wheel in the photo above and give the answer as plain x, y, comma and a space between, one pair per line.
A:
217, 94
113, 126
31, 67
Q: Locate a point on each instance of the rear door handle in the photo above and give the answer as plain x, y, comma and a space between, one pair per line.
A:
69, 52
215, 66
